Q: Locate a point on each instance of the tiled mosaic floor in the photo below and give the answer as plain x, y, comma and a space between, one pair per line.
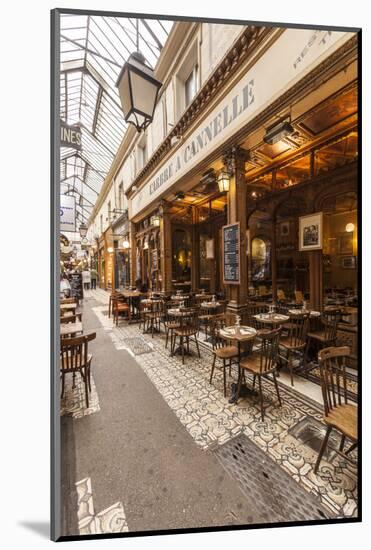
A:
212, 421
73, 402
110, 520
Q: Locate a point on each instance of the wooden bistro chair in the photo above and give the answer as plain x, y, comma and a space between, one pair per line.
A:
222, 349
188, 328
169, 321
294, 342
281, 296
339, 414
299, 297
326, 335
71, 318
74, 358
261, 363
112, 297
119, 307
153, 316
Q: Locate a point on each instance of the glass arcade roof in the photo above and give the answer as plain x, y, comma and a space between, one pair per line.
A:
93, 51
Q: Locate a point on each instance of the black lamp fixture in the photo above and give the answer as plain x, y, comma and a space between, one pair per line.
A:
278, 131
179, 196
138, 89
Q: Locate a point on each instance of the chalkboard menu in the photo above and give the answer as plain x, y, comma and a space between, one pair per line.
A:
231, 253
76, 285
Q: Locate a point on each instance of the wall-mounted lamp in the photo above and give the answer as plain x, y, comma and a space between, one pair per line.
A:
223, 181
350, 227
110, 250
155, 220
126, 243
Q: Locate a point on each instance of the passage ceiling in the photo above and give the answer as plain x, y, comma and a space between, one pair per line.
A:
93, 51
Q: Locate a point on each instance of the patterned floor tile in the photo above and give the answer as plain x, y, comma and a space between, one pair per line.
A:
73, 402
211, 420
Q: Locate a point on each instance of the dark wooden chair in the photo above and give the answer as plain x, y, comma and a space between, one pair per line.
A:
188, 328
169, 321
325, 336
74, 358
71, 318
112, 297
153, 316
119, 307
294, 341
339, 414
262, 363
222, 349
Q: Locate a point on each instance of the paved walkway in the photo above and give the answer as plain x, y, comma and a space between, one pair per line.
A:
143, 452
134, 451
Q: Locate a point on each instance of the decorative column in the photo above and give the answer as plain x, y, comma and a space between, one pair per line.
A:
234, 161
195, 268
274, 258
133, 254
315, 279
166, 248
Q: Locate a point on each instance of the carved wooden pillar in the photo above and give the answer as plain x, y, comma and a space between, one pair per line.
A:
195, 268
166, 252
274, 258
237, 212
315, 279
133, 254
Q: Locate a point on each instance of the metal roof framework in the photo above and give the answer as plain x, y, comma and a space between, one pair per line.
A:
93, 51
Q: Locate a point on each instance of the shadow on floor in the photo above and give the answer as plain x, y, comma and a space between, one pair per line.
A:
42, 528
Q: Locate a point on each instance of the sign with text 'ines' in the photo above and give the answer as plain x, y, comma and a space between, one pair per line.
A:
70, 136
67, 213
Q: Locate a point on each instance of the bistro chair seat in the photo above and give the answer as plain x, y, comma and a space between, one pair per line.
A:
188, 328
344, 419
320, 336
226, 352
339, 414
288, 344
327, 333
262, 363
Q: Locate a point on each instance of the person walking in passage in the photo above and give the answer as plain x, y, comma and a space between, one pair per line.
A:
86, 279
94, 278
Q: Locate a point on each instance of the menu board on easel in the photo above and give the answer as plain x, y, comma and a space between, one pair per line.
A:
231, 253
76, 285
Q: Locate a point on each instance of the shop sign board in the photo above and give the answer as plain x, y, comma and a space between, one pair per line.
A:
68, 213
231, 253
259, 87
70, 136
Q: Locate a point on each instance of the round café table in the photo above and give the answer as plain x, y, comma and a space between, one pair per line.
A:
240, 335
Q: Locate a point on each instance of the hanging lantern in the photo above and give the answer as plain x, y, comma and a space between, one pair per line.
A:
223, 181
126, 243
156, 220
83, 229
138, 90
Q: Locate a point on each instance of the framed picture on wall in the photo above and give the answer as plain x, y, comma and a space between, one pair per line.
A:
311, 231
345, 243
348, 262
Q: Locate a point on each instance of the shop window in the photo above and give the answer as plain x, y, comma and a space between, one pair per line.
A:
191, 85
340, 249
293, 173
181, 249
336, 154
260, 259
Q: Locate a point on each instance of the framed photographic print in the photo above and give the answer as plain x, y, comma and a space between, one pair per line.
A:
311, 231
345, 241
348, 262
167, 131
